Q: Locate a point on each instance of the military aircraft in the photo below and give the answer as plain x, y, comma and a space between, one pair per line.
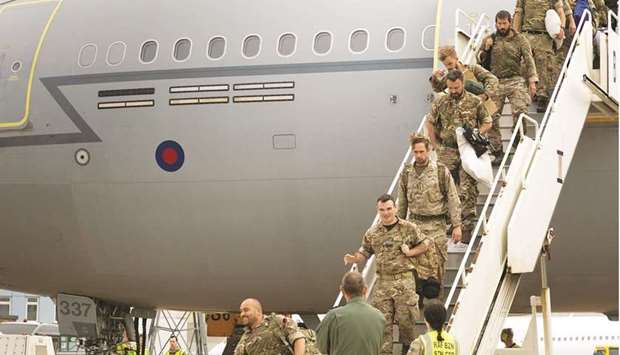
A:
185, 155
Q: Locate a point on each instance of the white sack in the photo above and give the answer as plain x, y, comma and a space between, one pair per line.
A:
477, 167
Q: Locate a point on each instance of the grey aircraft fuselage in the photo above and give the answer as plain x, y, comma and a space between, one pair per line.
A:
284, 153
292, 118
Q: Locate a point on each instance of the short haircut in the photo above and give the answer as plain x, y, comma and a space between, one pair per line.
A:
385, 198
416, 138
353, 283
435, 314
173, 337
454, 75
503, 15
507, 332
447, 51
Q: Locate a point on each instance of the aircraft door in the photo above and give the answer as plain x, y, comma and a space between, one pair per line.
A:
23, 27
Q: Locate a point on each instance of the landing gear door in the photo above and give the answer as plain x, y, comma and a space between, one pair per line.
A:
77, 316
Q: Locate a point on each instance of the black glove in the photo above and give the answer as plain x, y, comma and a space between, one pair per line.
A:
479, 142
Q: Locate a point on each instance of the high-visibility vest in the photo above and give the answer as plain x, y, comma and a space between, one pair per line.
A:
446, 347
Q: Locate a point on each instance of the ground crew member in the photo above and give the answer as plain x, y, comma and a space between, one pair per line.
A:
353, 329
529, 18
174, 348
506, 337
272, 334
436, 340
505, 51
126, 347
394, 242
476, 73
427, 192
449, 112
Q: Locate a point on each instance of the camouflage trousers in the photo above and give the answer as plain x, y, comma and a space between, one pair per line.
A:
397, 300
433, 262
515, 90
468, 188
542, 50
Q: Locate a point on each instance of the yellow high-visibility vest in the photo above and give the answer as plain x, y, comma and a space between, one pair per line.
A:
433, 346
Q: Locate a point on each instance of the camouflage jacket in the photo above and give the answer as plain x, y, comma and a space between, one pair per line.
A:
448, 113
385, 244
267, 339
533, 13
422, 194
470, 72
507, 54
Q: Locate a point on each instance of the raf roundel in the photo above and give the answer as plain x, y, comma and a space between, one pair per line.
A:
170, 156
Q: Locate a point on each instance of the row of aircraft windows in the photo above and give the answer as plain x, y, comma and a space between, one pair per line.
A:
582, 338
251, 47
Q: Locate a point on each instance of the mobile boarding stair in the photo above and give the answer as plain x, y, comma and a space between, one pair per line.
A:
514, 220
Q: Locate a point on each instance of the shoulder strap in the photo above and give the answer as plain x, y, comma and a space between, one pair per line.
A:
404, 176
441, 177
279, 332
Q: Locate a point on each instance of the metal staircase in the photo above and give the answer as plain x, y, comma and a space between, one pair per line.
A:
514, 214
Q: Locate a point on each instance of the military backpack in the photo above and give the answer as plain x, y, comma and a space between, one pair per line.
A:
277, 328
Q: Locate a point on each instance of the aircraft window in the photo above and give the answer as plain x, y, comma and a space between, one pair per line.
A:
287, 44
17, 65
182, 49
217, 48
395, 40
358, 42
148, 53
87, 55
32, 308
322, 43
116, 53
5, 306
251, 46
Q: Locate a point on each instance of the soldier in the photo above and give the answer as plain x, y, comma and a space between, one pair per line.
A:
428, 193
529, 18
448, 113
272, 334
353, 329
472, 74
394, 242
504, 52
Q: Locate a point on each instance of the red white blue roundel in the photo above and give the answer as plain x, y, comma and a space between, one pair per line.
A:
170, 156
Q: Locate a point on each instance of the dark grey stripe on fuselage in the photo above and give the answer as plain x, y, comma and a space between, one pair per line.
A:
87, 135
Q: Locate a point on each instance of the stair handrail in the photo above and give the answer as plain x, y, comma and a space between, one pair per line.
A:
371, 260
586, 14
539, 132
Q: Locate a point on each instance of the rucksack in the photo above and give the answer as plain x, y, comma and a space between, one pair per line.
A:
309, 334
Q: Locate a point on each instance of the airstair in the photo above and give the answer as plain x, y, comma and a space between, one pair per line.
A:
514, 214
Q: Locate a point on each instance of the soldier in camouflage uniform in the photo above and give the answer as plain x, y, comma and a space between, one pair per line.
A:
505, 52
475, 73
529, 18
394, 242
272, 334
427, 191
447, 114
